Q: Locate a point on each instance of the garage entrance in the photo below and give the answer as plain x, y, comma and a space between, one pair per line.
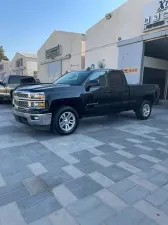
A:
156, 64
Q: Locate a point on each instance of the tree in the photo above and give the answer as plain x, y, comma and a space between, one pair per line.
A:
2, 54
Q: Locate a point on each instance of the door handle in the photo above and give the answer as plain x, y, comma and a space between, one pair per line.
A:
107, 91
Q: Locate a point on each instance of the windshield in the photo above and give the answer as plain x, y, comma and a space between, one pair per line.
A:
73, 78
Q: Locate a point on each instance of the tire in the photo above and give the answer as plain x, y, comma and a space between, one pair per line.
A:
144, 111
63, 116
1, 100
11, 95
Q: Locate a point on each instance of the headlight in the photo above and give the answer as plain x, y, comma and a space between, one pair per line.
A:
37, 100
39, 96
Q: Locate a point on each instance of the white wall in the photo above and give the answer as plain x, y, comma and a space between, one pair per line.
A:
6, 69
16, 70
31, 66
71, 44
126, 23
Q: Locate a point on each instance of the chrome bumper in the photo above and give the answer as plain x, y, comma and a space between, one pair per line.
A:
33, 119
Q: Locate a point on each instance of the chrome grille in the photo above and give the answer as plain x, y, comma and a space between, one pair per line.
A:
21, 95
21, 104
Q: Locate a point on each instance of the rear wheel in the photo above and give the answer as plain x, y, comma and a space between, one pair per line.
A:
65, 120
144, 111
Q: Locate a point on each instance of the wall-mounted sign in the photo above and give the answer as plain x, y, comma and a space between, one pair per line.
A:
165, 14
1, 67
159, 18
130, 70
19, 62
53, 52
156, 17
163, 4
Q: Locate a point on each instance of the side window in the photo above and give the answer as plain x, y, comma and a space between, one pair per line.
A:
5, 81
100, 76
14, 80
115, 78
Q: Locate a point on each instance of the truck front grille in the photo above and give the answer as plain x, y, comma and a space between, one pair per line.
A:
21, 95
24, 100
21, 104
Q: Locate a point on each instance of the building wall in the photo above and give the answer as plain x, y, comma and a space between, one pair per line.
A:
31, 66
6, 69
71, 43
101, 39
15, 70
28, 68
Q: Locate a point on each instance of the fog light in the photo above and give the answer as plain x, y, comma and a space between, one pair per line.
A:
38, 104
35, 118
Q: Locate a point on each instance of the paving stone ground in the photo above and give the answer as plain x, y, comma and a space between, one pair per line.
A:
112, 171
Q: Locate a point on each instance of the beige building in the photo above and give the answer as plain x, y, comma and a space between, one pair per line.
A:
63, 51
134, 37
4, 69
24, 64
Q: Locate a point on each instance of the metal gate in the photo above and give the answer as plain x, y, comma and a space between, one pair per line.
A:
54, 70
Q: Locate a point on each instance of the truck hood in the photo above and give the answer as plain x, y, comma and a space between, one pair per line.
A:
42, 87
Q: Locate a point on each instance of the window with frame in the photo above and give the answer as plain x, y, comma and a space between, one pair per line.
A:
14, 80
100, 76
115, 78
1, 67
27, 80
19, 62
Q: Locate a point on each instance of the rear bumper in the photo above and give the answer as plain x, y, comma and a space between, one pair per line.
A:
33, 119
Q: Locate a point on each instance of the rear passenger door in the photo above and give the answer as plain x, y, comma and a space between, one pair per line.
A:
119, 90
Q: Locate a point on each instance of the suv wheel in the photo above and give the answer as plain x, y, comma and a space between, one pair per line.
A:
1, 100
143, 113
65, 121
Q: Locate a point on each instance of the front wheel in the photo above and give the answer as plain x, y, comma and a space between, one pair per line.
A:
65, 121
143, 113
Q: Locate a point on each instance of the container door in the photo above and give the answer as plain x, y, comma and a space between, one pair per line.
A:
130, 61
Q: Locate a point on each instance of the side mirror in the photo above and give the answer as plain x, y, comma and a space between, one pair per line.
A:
1, 83
92, 83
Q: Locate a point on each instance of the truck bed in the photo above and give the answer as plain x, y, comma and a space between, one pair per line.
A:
136, 91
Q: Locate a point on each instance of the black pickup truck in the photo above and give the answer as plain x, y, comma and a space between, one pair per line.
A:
11, 82
81, 94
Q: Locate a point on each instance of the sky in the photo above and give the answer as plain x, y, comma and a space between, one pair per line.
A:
26, 24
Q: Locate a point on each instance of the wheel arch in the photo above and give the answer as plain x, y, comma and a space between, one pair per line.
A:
75, 103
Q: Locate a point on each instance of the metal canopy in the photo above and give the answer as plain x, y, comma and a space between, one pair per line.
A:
144, 38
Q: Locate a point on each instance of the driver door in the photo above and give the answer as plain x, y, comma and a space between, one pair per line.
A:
97, 99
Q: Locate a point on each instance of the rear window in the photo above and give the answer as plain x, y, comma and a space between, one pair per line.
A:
27, 80
14, 80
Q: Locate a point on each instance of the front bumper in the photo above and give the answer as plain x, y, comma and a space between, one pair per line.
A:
32, 119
